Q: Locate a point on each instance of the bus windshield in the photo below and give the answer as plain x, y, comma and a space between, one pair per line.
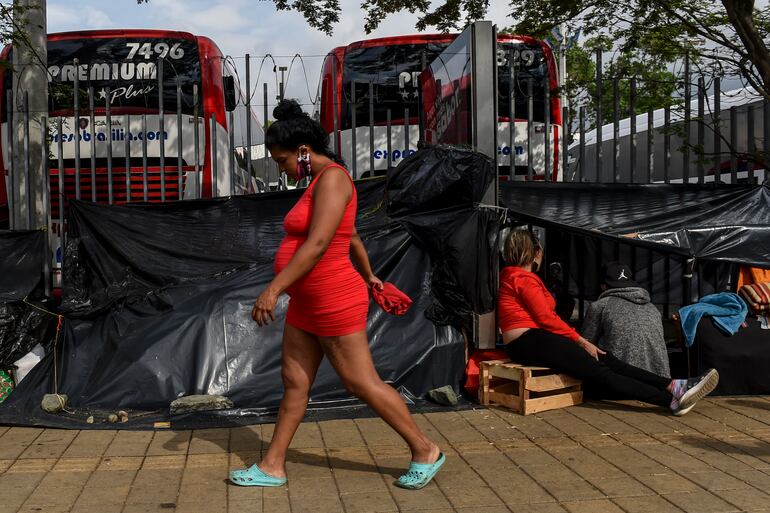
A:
128, 68
529, 66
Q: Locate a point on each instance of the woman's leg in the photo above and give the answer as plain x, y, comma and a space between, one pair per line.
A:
301, 357
351, 358
540, 347
621, 367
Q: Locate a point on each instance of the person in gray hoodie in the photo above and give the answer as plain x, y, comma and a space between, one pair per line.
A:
624, 323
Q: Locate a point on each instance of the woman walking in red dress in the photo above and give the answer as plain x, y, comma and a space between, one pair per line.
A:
329, 301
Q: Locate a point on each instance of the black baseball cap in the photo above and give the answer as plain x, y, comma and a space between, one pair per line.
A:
618, 275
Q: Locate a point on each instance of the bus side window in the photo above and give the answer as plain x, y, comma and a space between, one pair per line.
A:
231, 99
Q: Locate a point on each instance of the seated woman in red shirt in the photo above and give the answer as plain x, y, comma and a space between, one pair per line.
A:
534, 335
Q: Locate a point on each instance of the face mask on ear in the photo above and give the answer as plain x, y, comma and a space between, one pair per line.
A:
303, 165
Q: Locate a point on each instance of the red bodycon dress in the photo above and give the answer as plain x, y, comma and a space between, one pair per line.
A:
332, 299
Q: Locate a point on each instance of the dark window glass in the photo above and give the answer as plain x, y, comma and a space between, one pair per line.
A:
529, 66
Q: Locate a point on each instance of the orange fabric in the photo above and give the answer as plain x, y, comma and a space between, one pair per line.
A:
524, 302
391, 299
332, 299
752, 275
757, 295
472, 369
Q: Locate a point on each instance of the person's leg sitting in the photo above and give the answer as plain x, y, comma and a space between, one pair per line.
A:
540, 347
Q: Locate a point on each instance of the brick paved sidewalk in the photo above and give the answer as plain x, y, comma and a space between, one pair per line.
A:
595, 458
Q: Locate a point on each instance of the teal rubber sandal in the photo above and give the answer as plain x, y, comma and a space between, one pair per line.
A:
420, 474
253, 476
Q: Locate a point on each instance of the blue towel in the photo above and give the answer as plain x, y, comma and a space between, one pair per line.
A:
726, 308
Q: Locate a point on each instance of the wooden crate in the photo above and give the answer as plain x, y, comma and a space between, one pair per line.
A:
526, 390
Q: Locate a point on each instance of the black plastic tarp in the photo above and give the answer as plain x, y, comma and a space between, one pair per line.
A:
709, 222
21, 263
159, 302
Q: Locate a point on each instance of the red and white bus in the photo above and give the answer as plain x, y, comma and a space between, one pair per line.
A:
393, 66
121, 67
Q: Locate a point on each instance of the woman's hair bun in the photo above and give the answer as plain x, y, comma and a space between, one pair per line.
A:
287, 109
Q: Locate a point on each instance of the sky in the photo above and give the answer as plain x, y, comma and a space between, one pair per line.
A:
244, 26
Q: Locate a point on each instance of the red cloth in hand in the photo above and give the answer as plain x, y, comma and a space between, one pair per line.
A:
390, 299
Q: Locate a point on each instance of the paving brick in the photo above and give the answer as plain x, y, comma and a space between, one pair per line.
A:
164, 462
747, 499
538, 508
250, 506
16, 440
101, 496
76, 464
700, 502
32, 465
111, 478
332, 504
89, 444
472, 497
716, 481
121, 463
652, 504
668, 483
169, 442
621, 487
52, 443
65, 480
341, 433
429, 498
592, 506
572, 490
129, 443
97, 508
311, 487
44, 497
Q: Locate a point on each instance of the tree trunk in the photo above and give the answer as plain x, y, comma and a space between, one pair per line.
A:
740, 14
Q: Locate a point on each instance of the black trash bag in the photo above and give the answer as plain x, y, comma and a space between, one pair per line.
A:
21, 263
462, 244
436, 178
21, 328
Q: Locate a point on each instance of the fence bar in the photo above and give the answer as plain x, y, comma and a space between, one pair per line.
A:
667, 143
718, 130
213, 146
421, 110
266, 163
46, 206
599, 114
406, 133
547, 128
687, 118
530, 129
162, 132
248, 121
766, 138
179, 155
128, 157
196, 141
582, 156
353, 109
231, 151
632, 119
108, 121
371, 128
335, 105
512, 114
60, 150
733, 144
76, 124
752, 142
564, 142
389, 128
615, 128
27, 164
13, 204
650, 144
701, 128
667, 287
91, 102
145, 191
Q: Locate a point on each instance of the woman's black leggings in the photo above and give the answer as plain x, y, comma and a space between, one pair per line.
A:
542, 348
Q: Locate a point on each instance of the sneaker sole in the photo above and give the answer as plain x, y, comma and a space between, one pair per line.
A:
699, 391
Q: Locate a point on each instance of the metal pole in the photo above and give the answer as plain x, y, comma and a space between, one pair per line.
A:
599, 114
76, 124
512, 114
196, 142
564, 141
752, 149
27, 164
371, 128
144, 157
582, 146
128, 157
650, 144
701, 128
335, 105
60, 150
13, 170
214, 168
108, 120
389, 143
687, 116
733, 144
353, 146
547, 129
46, 204
91, 124
530, 129
632, 119
161, 131
179, 154
718, 130
615, 128
766, 138
667, 144
265, 115
249, 142
406, 134
231, 154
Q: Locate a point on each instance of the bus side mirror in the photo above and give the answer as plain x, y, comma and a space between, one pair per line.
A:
231, 100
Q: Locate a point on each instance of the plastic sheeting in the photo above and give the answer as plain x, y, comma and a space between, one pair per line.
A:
21, 264
710, 222
160, 302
